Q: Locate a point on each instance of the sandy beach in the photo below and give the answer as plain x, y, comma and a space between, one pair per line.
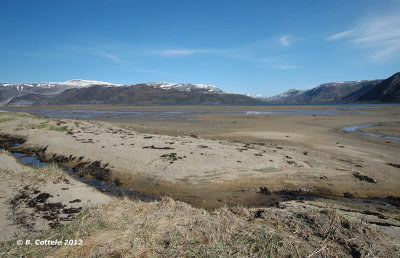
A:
213, 161
220, 159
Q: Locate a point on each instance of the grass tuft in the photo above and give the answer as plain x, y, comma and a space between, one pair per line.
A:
51, 173
45, 125
58, 128
157, 229
6, 119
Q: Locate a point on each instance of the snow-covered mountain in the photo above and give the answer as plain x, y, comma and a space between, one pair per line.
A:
187, 87
292, 93
76, 92
68, 84
87, 83
84, 92
256, 96
333, 92
8, 91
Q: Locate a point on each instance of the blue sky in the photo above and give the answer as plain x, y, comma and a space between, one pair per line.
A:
250, 46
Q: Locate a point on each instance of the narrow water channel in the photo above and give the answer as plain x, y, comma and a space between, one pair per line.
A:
103, 186
356, 129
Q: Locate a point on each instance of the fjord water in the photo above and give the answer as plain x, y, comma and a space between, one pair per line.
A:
190, 113
180, 114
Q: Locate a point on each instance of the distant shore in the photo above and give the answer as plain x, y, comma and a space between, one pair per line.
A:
206, 107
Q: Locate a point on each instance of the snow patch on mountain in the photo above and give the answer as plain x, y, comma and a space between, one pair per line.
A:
186, 87
256, 96
87, 83
286, 94
75, 83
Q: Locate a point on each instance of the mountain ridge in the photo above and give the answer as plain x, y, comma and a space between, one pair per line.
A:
332, 92
152, 93
387, 91
86, 92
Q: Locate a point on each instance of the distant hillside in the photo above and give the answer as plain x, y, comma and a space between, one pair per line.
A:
99, 93
83, 92
39, 90
386, 91
334, 92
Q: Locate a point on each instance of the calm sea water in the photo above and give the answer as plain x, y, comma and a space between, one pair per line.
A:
189, 114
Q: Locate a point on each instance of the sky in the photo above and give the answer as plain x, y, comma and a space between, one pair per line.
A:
243, 46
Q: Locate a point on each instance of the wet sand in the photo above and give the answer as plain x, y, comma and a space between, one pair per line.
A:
218, 159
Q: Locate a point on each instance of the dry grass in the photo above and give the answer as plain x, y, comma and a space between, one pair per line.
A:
18, 114
34, 176
174, 229
46, 125
25, 120
169, 228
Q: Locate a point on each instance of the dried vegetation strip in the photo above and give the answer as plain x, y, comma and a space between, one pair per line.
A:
30, 176
174, 229
168, 228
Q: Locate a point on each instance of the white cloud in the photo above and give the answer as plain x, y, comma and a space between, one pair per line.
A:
124, 63
380, 30
109, 56
340, 35
179, 52
257, 52
379, 36
286, 67
284, 40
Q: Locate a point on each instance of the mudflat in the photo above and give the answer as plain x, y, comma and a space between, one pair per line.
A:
228, 158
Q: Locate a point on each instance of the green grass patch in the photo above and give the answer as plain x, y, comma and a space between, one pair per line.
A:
59, 128
45, 125
6, 171
6, 119
41, 125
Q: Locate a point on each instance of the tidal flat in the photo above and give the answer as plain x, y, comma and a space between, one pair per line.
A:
212, 157
222, 155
